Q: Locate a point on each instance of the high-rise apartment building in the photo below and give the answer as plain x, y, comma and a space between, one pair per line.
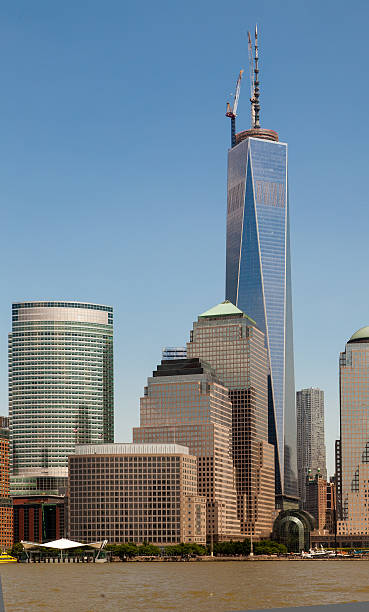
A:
60, 389
311, 454
230, 342
258, 273
353, 449
185, 403
135, 493
6, 509
174, 352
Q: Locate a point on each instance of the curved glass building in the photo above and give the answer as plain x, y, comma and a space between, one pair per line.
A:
60, 388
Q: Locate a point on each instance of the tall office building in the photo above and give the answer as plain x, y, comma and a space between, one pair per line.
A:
185, 403
353, 450
258, 273
311, 455
174, 352
60, 389
230, 342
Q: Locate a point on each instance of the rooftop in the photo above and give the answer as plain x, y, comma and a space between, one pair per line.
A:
361, 335
131, 449
225, 309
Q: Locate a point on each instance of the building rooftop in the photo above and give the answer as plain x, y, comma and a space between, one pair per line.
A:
183, 367
361, 335
225, 309
131, 449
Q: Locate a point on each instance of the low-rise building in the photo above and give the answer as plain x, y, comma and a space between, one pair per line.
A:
39, 518
135, 493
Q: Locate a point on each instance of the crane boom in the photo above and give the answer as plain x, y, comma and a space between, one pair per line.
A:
231, 112
237, 94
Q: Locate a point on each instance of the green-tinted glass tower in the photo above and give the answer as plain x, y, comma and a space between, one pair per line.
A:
60, 388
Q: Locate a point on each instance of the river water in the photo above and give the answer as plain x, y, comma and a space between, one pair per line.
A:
191, 587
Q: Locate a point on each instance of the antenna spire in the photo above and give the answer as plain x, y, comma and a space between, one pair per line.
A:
256, 83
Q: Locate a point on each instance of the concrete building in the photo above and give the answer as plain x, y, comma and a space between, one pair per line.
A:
174, 352
60, 389
311, 453
353, 449
316, 499
230, 342
6, 510
185, 403
135, 493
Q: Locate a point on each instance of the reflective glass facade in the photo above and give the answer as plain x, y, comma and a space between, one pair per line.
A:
258, 280
60, 388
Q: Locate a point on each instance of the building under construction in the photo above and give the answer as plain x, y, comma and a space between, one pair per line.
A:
258, 276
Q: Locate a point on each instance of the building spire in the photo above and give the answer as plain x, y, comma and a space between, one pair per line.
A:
255, 102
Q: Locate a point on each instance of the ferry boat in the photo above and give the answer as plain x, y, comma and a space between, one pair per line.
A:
5, 558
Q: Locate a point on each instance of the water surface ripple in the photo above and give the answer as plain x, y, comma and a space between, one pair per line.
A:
191, 587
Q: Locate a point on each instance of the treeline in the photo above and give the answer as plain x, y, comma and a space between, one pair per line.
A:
243, 548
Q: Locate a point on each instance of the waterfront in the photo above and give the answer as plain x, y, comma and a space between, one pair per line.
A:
189, 587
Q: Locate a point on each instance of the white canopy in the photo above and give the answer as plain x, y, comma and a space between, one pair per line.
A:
63, 544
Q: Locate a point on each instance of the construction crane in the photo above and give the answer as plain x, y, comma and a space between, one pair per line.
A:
232, 112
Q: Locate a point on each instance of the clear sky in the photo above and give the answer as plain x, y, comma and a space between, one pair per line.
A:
113, 168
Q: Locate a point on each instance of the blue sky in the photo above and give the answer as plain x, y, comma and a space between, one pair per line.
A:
113, 168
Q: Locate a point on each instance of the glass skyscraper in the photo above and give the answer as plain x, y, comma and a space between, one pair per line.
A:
60, 388
258, 278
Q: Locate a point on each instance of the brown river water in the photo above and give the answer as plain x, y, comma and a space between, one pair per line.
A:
192, 587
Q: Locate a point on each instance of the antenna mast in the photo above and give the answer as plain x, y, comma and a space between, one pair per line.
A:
256, 84
252, 84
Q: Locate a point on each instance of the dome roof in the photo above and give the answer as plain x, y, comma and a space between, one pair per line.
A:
361, 335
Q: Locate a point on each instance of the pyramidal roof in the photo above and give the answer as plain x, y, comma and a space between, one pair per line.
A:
224, 309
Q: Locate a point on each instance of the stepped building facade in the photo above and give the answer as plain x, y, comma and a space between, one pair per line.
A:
231, 343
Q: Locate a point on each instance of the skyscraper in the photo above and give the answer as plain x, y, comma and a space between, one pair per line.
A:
230, 342
60, 388
258, 275
353, 450
311, 455
185, 403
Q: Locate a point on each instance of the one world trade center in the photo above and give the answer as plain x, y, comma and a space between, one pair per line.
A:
258, 275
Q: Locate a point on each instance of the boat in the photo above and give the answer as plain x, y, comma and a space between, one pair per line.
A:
5, 558
316, 553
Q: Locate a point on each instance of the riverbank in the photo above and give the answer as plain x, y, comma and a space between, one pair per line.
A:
255, 559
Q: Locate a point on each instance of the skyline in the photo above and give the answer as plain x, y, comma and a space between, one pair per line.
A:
81, 154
